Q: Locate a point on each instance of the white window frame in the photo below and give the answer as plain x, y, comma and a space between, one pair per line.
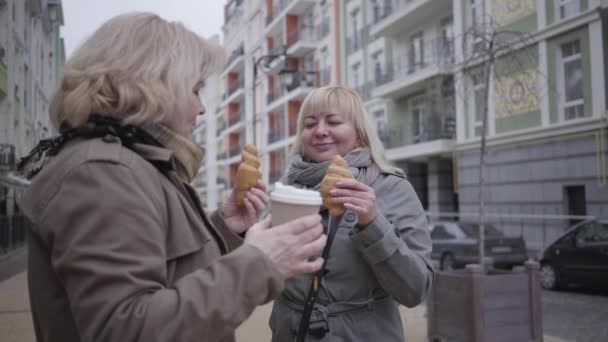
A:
562, 4
561, 74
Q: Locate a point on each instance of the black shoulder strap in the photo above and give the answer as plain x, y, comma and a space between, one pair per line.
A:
317, 277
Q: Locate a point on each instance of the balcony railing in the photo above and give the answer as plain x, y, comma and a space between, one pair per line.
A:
239, 84
435, 53
235, 151
434, 127
235, 118
277, 8
275, 135
324, 77
238, 52
302, 78
7, 157
384, 8
324, 28
356, 41
12, 233
365, 90
274, 94
3, 79
300, 35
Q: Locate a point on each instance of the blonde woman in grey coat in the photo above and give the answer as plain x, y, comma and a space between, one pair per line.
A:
380, 256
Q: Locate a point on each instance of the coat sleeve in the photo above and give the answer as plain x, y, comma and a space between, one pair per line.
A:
397, 244
108, 249
233, 241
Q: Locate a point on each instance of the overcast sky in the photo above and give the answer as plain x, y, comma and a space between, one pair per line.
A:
82, 17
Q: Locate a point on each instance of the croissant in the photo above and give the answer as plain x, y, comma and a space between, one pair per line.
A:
338, 169
248, 173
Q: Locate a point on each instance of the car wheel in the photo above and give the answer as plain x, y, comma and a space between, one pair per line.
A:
548, 277
447, 262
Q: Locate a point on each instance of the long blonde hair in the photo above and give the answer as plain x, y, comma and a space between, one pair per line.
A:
137, 67
349, 103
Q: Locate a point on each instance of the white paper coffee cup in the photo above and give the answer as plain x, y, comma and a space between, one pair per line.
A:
289, 203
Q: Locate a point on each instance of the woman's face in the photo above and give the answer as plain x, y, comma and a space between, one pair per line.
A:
184, 124
327, 134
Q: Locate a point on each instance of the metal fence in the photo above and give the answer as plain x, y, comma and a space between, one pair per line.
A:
12, 233
538, 231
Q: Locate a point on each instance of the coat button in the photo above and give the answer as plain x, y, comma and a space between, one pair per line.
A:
350, 217
110, 139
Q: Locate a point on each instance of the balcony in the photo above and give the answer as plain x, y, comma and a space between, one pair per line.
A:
300, 42
391, 17
365, 90
281, 8
324, 77
7, 157
236, 59
434, 135
234, 119
324, 28
356, 41
220, 124
408, 71
275, 135
235, 92
3, 80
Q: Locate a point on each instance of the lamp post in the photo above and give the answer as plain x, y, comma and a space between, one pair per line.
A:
262, 63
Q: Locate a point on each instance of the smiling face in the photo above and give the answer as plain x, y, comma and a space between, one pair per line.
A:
326, 134
184, 124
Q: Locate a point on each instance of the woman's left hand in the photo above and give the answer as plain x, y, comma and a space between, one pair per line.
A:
240, 218
358, 197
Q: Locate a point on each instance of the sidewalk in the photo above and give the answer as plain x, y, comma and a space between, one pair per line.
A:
16, 321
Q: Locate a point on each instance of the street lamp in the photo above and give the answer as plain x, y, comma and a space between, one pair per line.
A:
263, 63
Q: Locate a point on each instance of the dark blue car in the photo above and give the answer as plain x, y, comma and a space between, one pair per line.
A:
579, 256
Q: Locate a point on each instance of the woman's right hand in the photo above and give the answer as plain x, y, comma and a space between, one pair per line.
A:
290, 246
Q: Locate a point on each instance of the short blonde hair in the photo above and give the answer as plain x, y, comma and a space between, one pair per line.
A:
349, 103
137, 67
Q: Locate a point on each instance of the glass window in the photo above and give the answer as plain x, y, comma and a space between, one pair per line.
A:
416, 53
572, 69
480, 98
593, 232
568, 8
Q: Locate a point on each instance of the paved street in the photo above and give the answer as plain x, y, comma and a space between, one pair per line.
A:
576, 316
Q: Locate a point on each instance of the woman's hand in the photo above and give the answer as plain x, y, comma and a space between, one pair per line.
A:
358, 197
239, 219
290, 245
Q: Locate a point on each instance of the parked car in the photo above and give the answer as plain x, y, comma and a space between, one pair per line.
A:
579, 256
456, 244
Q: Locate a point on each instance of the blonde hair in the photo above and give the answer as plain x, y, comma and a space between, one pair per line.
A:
137, 67
349, 103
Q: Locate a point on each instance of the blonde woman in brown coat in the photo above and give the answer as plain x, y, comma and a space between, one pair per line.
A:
120, 248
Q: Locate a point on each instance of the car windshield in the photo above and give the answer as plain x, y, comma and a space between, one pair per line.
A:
472, 230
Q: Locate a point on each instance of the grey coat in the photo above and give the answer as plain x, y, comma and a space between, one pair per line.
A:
370, 272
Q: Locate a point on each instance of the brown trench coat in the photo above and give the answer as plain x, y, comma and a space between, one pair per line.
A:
120, 252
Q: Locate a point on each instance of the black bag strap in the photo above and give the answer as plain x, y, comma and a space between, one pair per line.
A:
316, 281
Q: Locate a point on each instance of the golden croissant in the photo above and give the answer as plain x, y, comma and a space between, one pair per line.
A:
248, 173
338, 169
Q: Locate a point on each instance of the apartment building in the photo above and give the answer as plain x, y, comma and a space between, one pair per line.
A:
31, 59
546, 134
400, 57
278, 51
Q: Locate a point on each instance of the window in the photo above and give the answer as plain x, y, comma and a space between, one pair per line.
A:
418, 111
477, 23
568, 8
439, 233
378, 74
356, 77
447, 41
593, 232
479, 93
416, 55
381, 124
14, 13
571, 75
